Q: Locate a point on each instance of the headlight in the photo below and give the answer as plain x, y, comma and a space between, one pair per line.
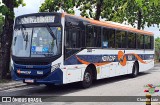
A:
54, 67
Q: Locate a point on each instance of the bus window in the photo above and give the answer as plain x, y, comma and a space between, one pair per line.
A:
120, 39
97, 35
108, 38
123, 39
90, 36
147, 41
72, 38
140, 41
72, 41
131, 40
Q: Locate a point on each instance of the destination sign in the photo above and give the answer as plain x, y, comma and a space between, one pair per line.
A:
36, 19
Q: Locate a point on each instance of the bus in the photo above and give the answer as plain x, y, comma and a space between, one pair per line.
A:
59, 48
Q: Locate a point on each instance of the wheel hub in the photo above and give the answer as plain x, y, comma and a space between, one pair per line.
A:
87, 77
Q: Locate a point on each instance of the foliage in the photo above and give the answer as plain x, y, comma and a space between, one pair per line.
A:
97, 9
6, 11
139, 12
157, 48
1, 23
56, 5
87, 8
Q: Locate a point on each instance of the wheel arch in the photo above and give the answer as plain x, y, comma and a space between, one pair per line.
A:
137, 64
92, 67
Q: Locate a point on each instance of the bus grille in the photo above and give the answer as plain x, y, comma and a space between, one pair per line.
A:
31, 63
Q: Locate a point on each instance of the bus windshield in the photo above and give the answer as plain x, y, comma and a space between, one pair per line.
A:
36, 42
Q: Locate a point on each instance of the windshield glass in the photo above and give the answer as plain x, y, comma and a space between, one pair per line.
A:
36, 42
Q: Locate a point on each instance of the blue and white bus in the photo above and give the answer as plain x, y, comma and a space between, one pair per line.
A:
58, 48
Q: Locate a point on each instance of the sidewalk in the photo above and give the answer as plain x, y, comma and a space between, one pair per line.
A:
11, 84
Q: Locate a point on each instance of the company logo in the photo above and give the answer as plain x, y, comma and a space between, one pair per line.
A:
122, 58
108, 58
151, 88
23, 72
21, 99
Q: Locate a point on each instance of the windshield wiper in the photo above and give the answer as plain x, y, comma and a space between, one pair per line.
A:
22, 29
50, 31
25, 37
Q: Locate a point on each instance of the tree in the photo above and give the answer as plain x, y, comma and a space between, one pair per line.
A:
56, 5
139, 13
157, 48
1, 29
1, 24
98, 9
90, 9
7, 10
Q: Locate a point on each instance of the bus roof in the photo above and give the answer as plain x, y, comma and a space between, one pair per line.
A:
111, 25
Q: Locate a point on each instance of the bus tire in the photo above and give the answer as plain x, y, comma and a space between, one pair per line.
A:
87, 79
135, 70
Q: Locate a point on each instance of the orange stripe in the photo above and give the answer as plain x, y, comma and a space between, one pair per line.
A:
139, 58
87, 63
123, 63
82, 61
120, 54
122, 58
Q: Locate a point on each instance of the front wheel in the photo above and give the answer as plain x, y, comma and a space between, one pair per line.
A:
87, 79
135, 70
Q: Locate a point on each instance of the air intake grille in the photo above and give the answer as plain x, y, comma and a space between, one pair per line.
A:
31, 63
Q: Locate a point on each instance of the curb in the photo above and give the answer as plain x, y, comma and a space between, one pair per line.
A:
15, 85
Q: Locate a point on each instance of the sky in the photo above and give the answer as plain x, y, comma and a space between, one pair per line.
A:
32, 6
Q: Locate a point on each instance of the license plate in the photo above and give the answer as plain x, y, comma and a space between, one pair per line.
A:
29, 80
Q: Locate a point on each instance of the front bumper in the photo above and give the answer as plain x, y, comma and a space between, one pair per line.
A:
55, 77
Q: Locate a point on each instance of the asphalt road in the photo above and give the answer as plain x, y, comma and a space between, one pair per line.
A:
117, 86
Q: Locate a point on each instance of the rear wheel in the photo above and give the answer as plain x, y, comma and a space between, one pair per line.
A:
87, 79
135, 70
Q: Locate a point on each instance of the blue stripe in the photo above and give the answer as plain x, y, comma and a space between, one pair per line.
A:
98, 58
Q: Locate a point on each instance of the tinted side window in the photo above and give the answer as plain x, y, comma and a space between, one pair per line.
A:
72, 41
72, 38
131, 40
97, 36
147, 40
108, 38
140, 41
120, 39
124, 39
90, 36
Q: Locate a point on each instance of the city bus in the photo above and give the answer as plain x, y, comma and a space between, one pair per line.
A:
59, 48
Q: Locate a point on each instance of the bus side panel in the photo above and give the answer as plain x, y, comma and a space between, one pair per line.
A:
73, 73
146, 60
111, 67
